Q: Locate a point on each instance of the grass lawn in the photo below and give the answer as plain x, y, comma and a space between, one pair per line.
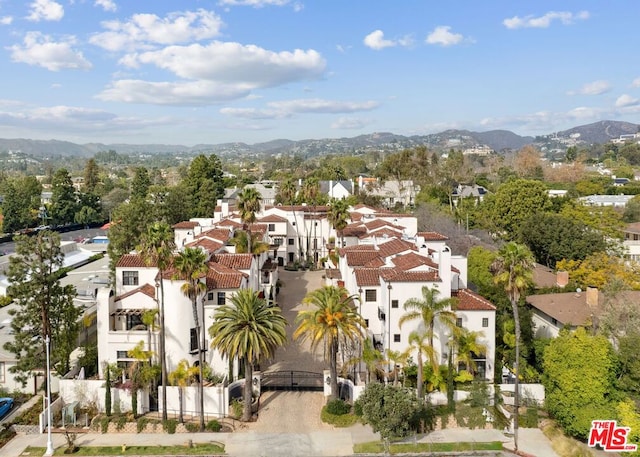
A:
197, 449
376, 447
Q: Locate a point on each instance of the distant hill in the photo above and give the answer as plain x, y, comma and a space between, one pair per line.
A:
498, 140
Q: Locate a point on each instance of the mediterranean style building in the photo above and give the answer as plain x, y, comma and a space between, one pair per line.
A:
381, 257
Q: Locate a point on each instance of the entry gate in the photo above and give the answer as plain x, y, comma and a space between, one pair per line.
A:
292, 380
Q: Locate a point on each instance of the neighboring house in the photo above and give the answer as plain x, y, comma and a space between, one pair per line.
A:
553, 312
631, 241
617, 201
468, 191
620, 182
337, 189
391, 193
267, 192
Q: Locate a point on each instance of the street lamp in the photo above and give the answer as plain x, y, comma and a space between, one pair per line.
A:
49, 451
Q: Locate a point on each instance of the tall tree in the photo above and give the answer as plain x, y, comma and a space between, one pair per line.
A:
64, 201
205, 184
248, 329
45, 307
190, 266
468, 346
332, 319
513, 270
287, 191
181, 377
339, 216
91, 175
156, 249
419, 342
140, 183
248, 207
128, 222
21, 203
430, 310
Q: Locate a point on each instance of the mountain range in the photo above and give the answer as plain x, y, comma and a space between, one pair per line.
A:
498, 140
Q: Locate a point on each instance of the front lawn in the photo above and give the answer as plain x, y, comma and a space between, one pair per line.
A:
196, 449
376, 447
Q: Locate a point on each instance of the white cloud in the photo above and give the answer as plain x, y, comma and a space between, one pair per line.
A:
6, 20
45, 10
147, 30
233, 63
545, 20
443, 36
41, 50
626, 100
288, 108
375, 40
107, 5
253, 3
350, 123
635, 82
593, 88
316, 105
194, 93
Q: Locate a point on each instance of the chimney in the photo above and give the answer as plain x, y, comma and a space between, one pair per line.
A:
592, 297
562, 278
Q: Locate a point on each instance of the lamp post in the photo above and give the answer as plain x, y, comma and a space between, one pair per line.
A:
49, 450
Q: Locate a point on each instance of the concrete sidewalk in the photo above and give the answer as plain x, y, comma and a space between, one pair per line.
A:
336, 442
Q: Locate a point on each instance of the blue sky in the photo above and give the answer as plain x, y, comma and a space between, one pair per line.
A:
189, 72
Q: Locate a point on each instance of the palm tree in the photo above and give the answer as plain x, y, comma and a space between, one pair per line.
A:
333, 319
248, 329
149, 320
513, 269
190, 266
420, 342
249, 206
467, 345
339, 216
157, 248
428, 311
287, 192
180, 377
241, 241
372, 359
397, 360
139, 372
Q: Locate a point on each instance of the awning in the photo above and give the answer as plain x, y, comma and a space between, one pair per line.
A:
128, 312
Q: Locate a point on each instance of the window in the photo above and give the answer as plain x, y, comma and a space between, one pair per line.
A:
2, 377
290, 241
134, 322
315, 243
277, 241
370, 295
122, 355
222, 298
396, 338
394, 303
209, 296
293, 223
485, 322
129, 278
366, 323
272, 227
459, 322
193, 341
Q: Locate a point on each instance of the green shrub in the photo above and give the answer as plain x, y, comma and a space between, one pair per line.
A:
5, 300
192, 427
236, 408
342, 420
104, 424
357, 408
169, 426
338, 407
141, 424
120, 422
213, 426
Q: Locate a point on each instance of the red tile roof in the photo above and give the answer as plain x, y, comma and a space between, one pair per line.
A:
222, 277
470, 301
333, 273
360, 258
384, 233
379, 223
229, 223
395, 246
432, 236
132, 261
234, 261
272, 218
219, 234
354, 230
395, 275
367, 277
146, 289
186, 225
207, 244
413, 260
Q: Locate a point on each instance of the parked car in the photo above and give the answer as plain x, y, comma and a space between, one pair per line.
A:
6, 405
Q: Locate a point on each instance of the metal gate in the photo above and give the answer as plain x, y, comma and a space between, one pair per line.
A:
292, 380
